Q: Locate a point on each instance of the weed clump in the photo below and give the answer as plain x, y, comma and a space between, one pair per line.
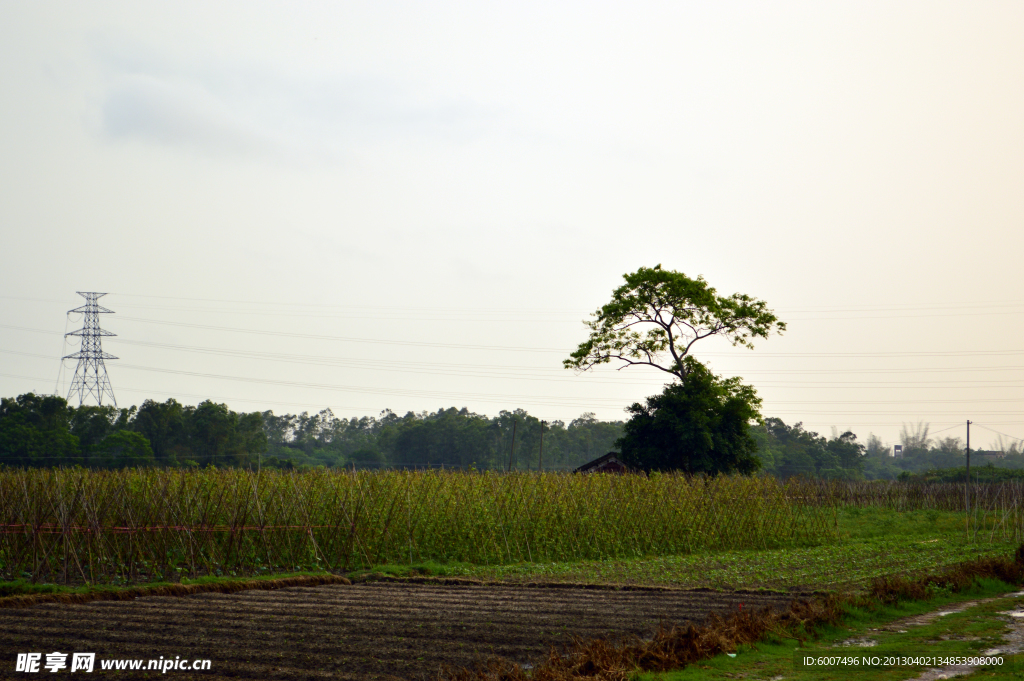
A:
955, 578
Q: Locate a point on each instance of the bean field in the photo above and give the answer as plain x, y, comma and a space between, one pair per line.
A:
114, 527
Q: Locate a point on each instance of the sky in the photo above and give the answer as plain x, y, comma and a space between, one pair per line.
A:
412, 206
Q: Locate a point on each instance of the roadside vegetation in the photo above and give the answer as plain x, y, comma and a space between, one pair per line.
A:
903, 629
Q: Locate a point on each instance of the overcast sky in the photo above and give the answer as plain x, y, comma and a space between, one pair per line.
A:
410, 206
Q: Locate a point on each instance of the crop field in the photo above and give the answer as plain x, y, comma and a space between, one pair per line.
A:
657, 538
375, 630
114, 527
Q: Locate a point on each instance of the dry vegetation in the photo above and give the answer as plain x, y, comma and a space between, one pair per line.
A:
80, 526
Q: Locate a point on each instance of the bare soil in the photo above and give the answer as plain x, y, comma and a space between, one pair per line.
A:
374, 630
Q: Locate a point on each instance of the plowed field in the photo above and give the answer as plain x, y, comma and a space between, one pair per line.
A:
375, 630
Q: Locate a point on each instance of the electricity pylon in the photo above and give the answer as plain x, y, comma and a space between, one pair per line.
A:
91, 373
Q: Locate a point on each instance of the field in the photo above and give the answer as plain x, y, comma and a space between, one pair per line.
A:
872, 542
370, 630
116, 527
520, 562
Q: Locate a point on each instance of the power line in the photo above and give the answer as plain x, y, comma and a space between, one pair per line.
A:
826, 355
901, 309
332, 360
347, 339
845, 385
997, 432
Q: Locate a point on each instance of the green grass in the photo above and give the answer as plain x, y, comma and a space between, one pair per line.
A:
425, 569
23, 587
873, 542
960, 634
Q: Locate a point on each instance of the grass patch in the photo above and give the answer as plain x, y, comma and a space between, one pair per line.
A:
873, 542
425, 569
965, 633
822, 567
25, 588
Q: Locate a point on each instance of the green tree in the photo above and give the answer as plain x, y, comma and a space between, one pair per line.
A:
35, 431
164, 425
657, 315
701, 425
125, 449
221, 437
792, 451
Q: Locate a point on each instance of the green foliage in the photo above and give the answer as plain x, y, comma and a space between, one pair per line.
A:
164, 424
124, 449
788, 451
45, 431
35, 431
663, 311
699, 426
221, 437
449, 438
146, 524
979, 474
791, 450
964, 631
912, 541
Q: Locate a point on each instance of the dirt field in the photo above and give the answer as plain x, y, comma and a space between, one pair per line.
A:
365, 631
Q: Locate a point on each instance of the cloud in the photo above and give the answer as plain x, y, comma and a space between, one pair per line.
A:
244, 110
180, 114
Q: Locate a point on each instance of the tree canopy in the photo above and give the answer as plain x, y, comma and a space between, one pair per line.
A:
700, 426
46, 431
655, 318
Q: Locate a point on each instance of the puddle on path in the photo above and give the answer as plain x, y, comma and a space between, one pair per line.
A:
900, 626
1013, 641
857, 642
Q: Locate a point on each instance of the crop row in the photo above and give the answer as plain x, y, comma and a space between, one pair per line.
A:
78, 525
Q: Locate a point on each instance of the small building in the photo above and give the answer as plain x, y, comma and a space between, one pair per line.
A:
981, 456
609, 463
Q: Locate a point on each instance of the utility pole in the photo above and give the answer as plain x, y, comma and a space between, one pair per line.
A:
91, 374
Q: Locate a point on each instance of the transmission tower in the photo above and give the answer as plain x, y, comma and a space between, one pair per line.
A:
91, 373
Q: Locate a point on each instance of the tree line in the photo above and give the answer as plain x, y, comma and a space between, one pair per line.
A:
40, 431
43, 430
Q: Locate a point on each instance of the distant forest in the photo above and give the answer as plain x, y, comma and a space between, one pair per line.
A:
45, 431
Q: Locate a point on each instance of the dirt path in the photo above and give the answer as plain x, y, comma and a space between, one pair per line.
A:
366, 631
